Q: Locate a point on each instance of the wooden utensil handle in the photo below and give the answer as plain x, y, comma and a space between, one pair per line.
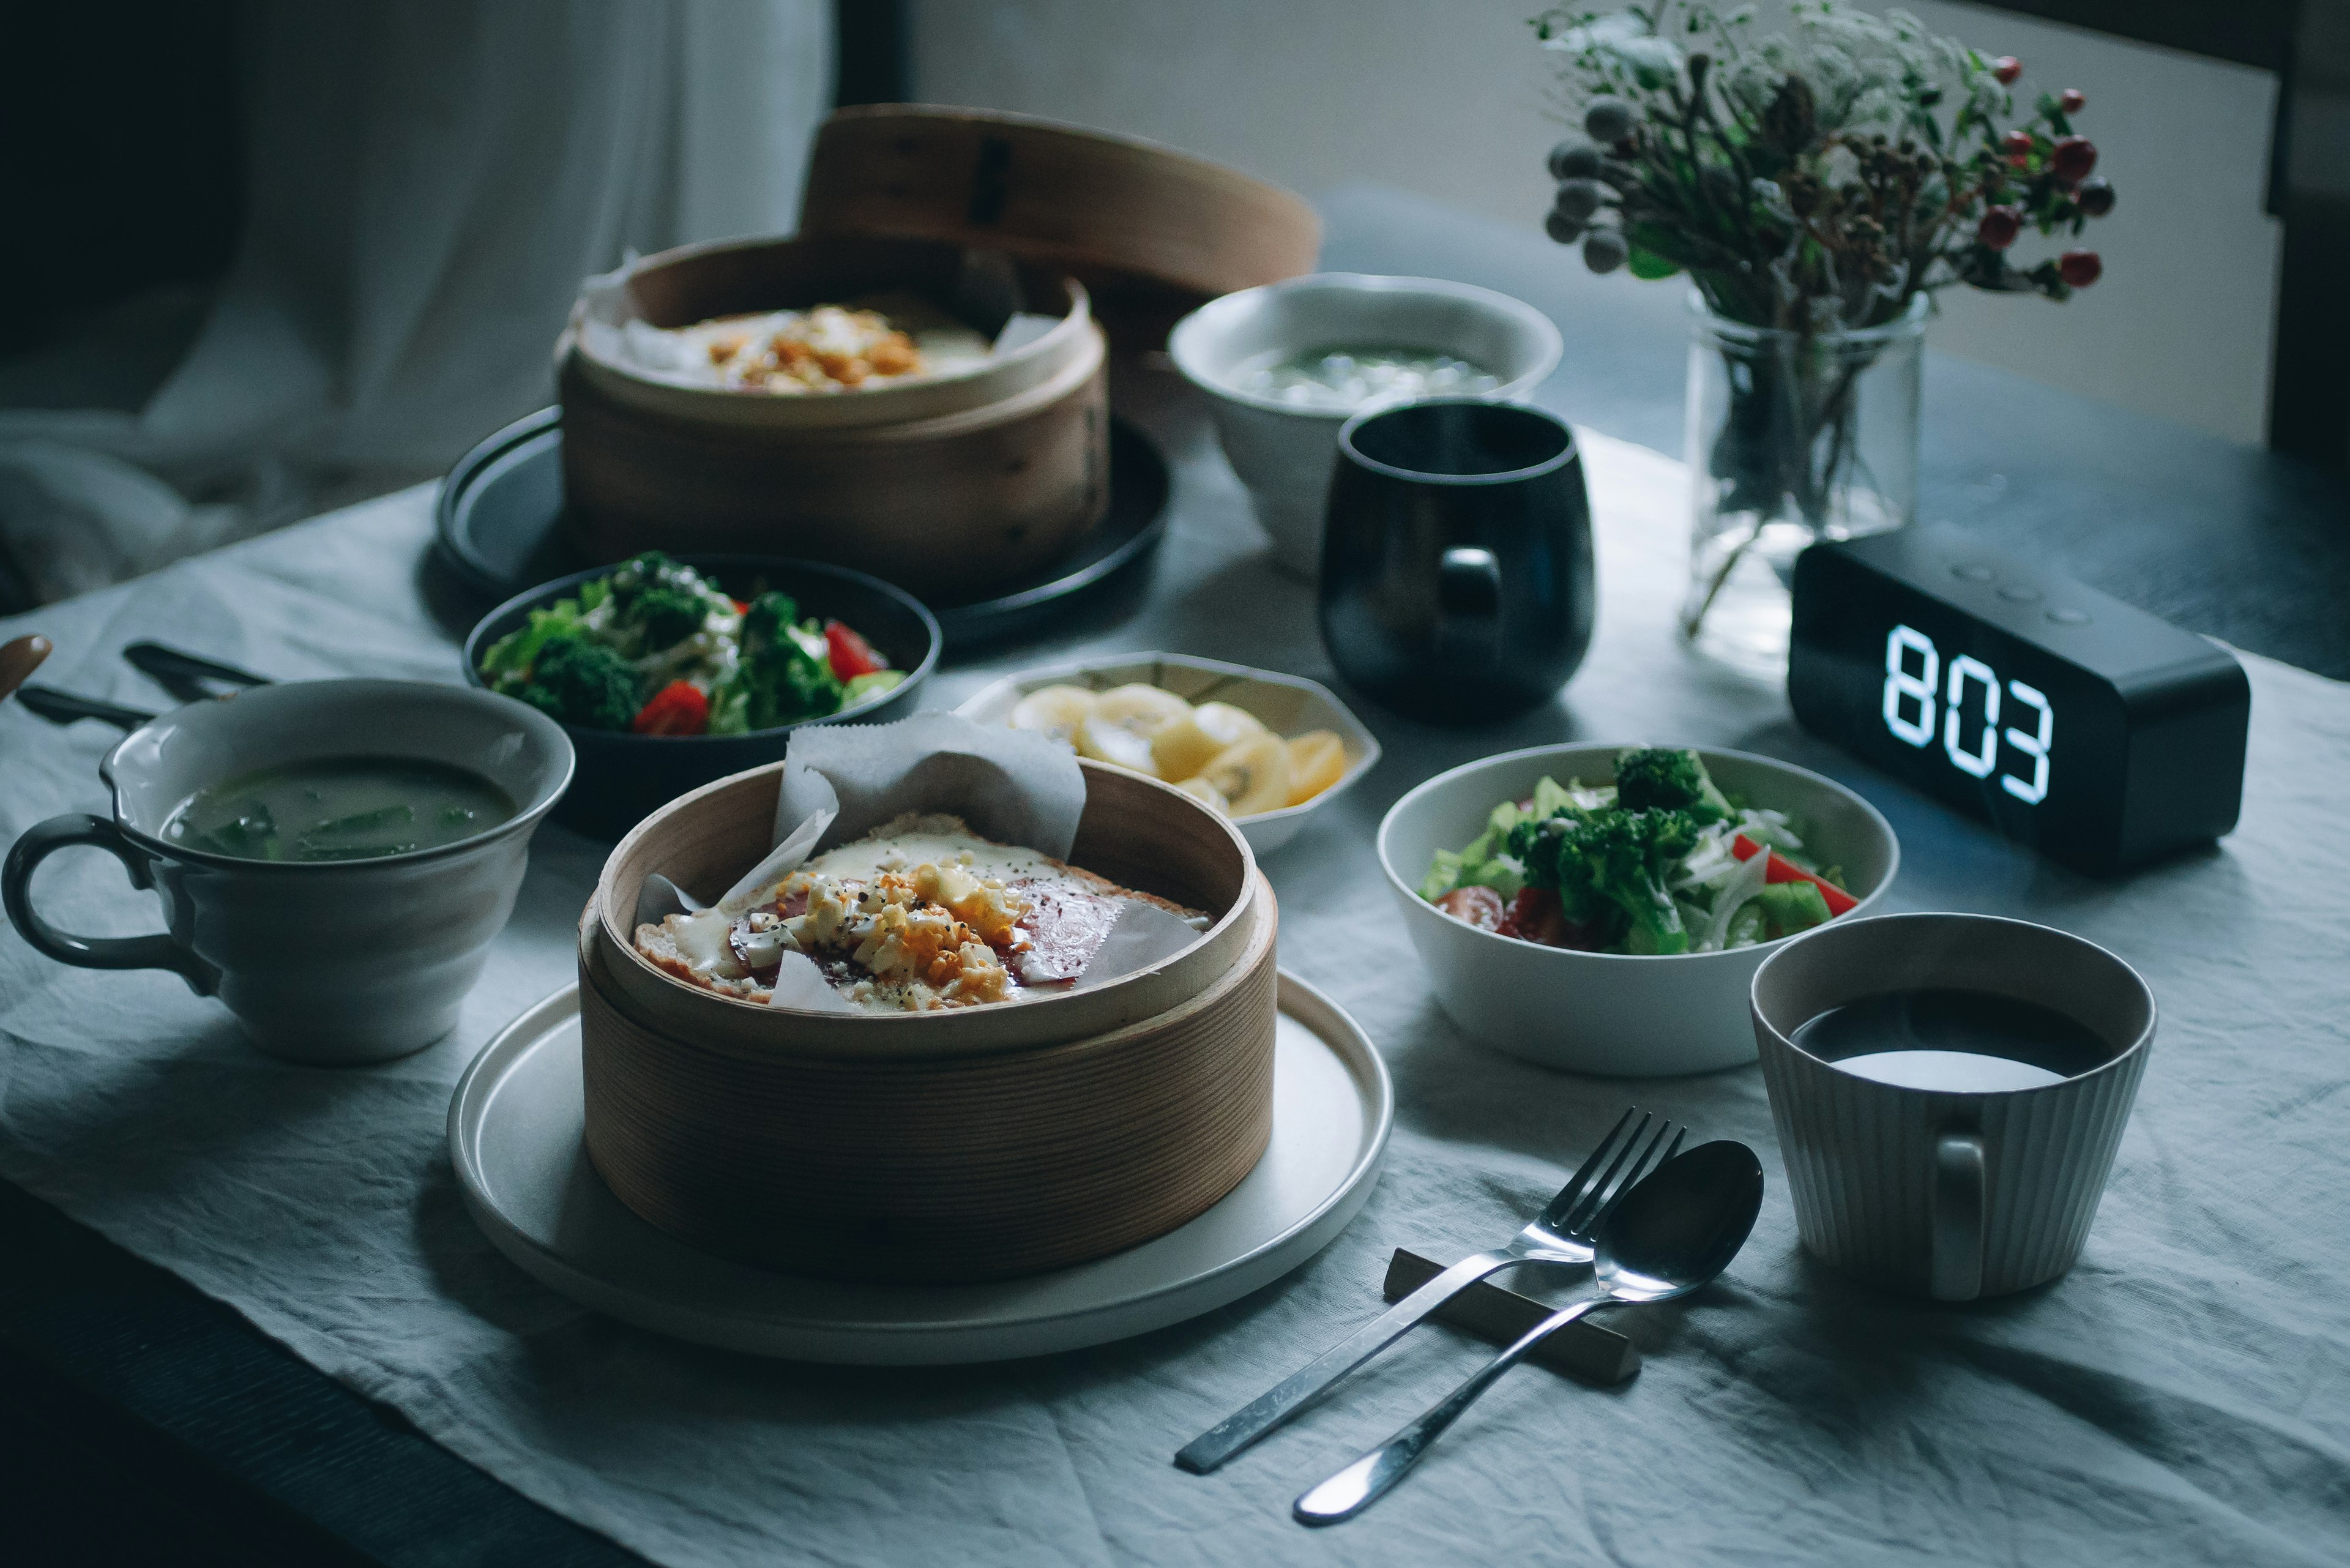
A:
19, 657
1497, 1313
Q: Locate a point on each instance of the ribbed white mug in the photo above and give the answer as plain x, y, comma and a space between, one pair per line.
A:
1936, 1192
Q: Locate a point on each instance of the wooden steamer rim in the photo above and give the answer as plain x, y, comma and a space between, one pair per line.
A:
708, 837
687, 284
940, 1168
968, 500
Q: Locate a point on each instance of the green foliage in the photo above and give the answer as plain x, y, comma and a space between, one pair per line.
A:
1817, 180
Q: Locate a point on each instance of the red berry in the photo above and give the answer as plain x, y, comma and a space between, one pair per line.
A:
1999, 227
2071, 101
2017, 145
2007, 68
2080, 268
2073, 158
2094, 196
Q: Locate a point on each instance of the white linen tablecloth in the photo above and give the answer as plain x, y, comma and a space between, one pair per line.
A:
2183, 1397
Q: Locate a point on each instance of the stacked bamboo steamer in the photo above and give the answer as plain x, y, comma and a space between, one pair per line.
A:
975, 1143
961, 483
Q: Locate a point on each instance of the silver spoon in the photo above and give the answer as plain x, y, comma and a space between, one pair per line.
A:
1672, 1233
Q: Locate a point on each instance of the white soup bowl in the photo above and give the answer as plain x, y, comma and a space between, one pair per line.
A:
1283, 453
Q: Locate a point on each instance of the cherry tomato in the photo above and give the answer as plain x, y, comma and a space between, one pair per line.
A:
1535, 915
852, 656
1478, 906
677, 708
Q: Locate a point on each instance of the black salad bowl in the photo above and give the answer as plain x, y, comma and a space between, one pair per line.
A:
623, 778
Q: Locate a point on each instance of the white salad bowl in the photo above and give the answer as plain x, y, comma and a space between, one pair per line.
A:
1283, 452
1621, 1015
1290, 705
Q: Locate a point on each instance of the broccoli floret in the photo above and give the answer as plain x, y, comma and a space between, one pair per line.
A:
657, 603
1609, 868
666, 617
765, 623
585, 683
786, 674
511, 656
1661, 779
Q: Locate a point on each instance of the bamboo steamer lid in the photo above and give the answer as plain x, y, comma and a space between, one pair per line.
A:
1151, 231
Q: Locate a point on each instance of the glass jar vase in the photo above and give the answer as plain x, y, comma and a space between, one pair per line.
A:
1792, 437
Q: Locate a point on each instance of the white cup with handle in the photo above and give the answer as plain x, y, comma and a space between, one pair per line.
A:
330, 961
1956, 1180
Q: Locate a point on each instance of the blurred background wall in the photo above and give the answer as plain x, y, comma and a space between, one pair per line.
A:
1450, 101
267, 257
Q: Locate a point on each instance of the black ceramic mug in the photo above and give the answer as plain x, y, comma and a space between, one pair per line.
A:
1456, 558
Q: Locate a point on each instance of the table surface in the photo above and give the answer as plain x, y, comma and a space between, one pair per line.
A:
1920, 1430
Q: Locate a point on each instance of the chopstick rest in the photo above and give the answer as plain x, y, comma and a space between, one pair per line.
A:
1499, 1314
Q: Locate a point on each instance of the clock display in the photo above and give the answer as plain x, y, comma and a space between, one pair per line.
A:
1910, 695
2101, 735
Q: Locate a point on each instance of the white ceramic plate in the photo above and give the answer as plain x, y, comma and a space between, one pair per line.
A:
515, 1136
1290, 706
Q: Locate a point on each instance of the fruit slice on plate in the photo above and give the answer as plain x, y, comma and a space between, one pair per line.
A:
1145, 710
1254, 774
1054, 712
1196, 738
1105, 740
1318, 760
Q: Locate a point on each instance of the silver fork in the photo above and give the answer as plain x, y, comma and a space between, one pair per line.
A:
1560, 1235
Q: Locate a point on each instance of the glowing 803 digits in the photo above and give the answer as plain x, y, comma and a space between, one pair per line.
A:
1969, 738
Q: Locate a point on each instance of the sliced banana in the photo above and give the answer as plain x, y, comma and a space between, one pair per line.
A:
1145, 710
1317, 759
1254, 774
1054, 712
1107, 740
1202, 789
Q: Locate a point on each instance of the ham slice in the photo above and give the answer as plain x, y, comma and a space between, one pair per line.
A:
1065, 929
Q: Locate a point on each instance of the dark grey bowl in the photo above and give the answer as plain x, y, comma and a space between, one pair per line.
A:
622, 778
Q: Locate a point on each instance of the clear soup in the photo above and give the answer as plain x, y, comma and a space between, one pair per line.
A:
339, 808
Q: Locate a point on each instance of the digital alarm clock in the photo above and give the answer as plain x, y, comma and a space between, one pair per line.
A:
2101, 735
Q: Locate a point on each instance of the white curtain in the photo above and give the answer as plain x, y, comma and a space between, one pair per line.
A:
427, 181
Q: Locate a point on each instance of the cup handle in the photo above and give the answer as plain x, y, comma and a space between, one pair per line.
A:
1957, 1255
1469, 607
1469, 585
43, 839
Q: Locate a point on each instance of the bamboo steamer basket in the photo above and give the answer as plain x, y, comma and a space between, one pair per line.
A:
1153, 233
728, 277
979, 1144
964, 483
